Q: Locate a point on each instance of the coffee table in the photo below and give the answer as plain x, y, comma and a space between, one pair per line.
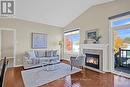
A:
50, 66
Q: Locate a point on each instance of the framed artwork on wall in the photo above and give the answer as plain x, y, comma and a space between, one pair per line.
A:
39, 40
89, 35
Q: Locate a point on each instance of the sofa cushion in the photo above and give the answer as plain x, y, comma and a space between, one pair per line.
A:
49, 53
36, 53
41, 53
54, 53
31, 54
45, 53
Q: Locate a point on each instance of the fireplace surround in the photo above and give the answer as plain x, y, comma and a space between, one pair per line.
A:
96, 49
92, 60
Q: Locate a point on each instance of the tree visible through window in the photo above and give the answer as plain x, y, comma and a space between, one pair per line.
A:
71, 42
121, 36
121, 32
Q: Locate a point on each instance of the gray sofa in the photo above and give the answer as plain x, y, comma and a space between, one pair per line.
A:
35, 58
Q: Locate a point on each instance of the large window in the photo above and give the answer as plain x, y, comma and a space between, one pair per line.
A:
71, 41
121, 22
121, 28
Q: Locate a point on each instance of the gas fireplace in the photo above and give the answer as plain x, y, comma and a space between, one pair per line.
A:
92, 60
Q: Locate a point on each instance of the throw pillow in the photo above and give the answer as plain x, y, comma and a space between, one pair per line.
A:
48, 53
51, 53
31, 54
36, 53
55, 53
41, 53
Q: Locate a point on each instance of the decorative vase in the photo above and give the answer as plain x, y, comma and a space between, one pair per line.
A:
96, 42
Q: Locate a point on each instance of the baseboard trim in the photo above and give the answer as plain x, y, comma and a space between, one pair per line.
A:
93, 69
8, 58
121, 74
18, 65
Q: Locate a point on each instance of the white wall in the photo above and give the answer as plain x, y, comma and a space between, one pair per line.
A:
24, 30
0, 45
96, 17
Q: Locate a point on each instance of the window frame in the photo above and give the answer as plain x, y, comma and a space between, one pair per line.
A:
71, 31
119, 18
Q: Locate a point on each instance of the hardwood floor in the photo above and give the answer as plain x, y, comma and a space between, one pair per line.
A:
85, 78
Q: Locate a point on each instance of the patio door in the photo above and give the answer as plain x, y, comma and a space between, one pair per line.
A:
120, 45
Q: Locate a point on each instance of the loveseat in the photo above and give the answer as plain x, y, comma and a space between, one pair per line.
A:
36, 58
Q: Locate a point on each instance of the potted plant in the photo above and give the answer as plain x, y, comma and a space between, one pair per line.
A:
97, 38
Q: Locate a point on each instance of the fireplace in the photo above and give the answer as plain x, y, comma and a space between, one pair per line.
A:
92, 60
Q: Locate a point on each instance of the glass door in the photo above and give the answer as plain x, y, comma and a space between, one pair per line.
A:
121, 44
122, 50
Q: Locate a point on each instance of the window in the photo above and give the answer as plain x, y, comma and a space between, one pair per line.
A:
71, 42
121, 28
121, 22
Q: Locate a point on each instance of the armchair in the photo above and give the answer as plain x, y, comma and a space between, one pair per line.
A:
77, 61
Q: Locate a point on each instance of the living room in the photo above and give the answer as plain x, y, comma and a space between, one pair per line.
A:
65, 43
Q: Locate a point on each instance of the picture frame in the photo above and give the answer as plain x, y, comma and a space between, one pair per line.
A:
39, 40
89, 36
91, 33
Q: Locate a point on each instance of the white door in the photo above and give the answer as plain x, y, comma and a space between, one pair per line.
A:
7, 45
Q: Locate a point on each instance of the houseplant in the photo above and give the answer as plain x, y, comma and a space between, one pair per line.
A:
97, 38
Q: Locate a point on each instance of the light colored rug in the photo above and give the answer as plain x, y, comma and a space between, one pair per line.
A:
38, 76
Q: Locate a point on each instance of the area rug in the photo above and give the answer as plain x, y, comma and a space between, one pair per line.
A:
38, 76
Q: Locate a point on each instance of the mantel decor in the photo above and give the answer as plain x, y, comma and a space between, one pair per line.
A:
39, 40
92, 36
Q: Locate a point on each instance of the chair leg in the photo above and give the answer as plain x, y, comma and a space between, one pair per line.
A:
83, 67
71, 67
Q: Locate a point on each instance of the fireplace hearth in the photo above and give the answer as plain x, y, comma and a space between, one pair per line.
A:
92, 60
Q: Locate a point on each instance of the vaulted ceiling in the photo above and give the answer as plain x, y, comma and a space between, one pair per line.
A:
53, 12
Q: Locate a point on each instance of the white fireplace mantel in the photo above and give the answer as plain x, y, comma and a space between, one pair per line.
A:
94, 46
103, 47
